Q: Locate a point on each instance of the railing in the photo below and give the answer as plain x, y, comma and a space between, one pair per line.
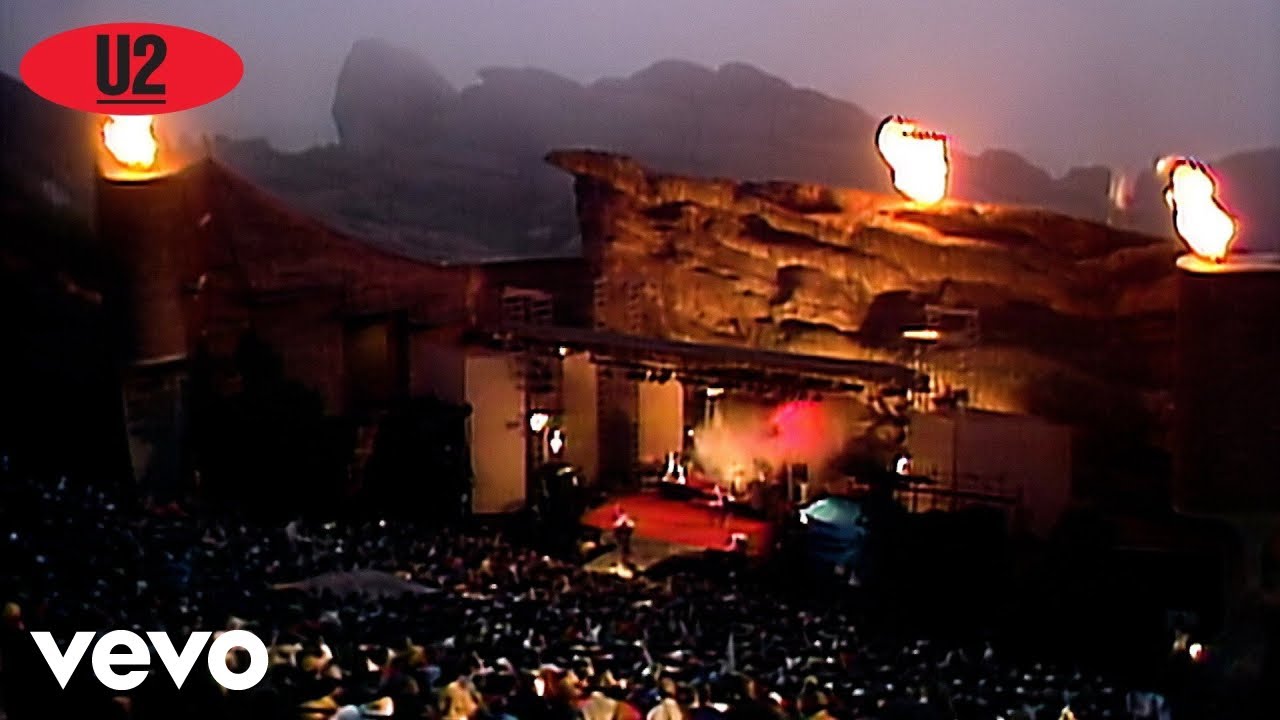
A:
954, 493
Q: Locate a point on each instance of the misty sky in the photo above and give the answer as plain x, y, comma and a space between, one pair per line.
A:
1070, 82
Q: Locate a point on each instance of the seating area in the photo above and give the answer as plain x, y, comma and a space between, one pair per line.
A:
489, 629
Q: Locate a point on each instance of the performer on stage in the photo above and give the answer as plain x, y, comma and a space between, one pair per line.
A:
623, 528
720, 506
739, 478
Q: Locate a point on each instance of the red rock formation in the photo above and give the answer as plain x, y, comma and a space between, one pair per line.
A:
1075, 316
247, 261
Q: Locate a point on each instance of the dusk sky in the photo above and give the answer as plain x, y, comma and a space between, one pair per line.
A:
1108, 81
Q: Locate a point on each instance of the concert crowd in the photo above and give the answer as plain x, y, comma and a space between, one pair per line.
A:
451, 624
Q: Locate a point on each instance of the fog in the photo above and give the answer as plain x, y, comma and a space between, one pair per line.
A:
1062, 83
742, 433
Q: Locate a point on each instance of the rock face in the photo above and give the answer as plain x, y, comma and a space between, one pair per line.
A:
386, 94
736, 120
1075, 318
457, 174
46, 149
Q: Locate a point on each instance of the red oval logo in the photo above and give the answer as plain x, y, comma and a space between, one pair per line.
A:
131, 68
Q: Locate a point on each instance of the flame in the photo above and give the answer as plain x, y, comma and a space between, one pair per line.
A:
131, 140
1201, 220
917, 159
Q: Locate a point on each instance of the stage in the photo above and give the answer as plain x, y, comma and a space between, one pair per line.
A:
681, 523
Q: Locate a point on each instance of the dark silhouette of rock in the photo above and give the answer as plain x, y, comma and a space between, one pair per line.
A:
45, 148
458, 173
1006, 177
1251, 186
736, 121
387, 96
461, 172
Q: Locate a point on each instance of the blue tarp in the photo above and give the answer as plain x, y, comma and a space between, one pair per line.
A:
834, 531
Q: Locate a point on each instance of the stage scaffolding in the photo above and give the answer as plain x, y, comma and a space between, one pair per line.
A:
625, 362
724, 366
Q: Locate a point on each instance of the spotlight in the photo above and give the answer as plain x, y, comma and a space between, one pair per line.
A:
921, 335
538, 420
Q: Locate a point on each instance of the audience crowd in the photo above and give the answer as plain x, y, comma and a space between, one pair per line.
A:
467, 625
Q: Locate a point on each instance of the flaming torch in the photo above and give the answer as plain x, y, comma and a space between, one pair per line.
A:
917, 159
142, 218
145, 216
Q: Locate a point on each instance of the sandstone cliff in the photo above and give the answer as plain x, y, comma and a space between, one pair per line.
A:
736, 120
456, 173
386, 93
1075, 317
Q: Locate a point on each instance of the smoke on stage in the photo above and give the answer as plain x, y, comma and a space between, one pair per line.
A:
742, 435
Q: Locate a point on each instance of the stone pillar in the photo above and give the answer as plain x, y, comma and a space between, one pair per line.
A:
1227, 395
1227, 435
145, 226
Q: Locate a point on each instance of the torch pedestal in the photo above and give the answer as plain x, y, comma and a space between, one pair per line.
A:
143, 224
147, 226
1227, 417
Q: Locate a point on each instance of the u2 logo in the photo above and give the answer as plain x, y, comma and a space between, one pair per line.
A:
132, 68
149, 46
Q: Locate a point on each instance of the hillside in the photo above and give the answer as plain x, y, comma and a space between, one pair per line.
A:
457, 174
45, 149
460, 170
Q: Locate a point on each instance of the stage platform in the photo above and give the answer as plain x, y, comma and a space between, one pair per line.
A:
680, 523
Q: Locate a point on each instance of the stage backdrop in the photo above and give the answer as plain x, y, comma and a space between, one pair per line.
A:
661, 419
497, 433
581, 412
1015, 455
488, 382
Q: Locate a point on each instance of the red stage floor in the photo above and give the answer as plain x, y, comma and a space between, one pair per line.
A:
681, 522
